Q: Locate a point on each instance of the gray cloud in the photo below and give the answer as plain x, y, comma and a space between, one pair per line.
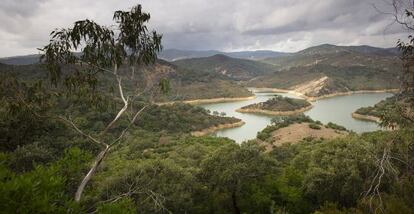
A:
282, 25
23, 8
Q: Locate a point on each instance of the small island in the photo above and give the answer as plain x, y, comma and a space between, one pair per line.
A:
278, 105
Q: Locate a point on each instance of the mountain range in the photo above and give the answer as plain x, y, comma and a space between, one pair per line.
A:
316, 71
177, 54
167, 54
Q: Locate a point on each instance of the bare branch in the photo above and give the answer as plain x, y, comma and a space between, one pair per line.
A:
130, 124
81, 132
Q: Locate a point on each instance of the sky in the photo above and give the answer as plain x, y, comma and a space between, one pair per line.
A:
226, 25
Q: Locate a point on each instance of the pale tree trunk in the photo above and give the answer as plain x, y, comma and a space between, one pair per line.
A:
91, 172
107, 146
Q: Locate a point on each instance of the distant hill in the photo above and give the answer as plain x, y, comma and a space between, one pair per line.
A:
21, 60
332, 49
237, 69
168, 55
175, 54
315, 71
337, 56
328, 69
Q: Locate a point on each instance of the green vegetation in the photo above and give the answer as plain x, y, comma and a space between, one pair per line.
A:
159, 168
184, 84
179, 118
314, 126
156, 171
378, 109
340, 56
280, 103
340, 79
197, 84
335, 173
144, 160
347, 69
335, 126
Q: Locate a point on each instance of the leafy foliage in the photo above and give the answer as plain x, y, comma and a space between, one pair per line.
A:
45, 189
102, 47
379, 109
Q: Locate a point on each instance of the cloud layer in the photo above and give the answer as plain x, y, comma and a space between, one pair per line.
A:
280, 25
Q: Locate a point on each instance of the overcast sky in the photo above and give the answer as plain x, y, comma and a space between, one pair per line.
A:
228, 25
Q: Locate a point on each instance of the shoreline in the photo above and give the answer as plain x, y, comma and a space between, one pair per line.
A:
312, 99
212, 100
365, 117
274, 90
213, 129
353, 92
278, 90
274, 113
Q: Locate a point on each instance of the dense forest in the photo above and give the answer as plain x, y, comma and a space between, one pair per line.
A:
84, 134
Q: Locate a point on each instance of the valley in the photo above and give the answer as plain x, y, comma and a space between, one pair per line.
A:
315, 73
233, 107
256, 114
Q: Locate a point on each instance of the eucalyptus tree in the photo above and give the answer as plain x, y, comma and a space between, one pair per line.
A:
76, 56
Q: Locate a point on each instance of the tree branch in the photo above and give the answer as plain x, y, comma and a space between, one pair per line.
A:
122, 111
130, 124
81, 132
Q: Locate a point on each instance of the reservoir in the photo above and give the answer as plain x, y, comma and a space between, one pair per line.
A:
335, 109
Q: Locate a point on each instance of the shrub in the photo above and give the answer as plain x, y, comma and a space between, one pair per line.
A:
335, 126
314, 126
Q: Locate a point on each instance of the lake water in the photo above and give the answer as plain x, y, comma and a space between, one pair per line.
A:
336, 109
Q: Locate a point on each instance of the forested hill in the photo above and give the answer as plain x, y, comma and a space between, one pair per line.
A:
194, 84
329, 69
185, 84
315, 71
363, 49
237, 69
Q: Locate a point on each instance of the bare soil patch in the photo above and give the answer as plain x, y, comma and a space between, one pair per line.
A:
296, 132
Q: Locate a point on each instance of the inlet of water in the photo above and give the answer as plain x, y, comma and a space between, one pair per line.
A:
336, 109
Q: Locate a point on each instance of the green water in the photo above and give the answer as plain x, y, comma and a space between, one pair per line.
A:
336, 109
